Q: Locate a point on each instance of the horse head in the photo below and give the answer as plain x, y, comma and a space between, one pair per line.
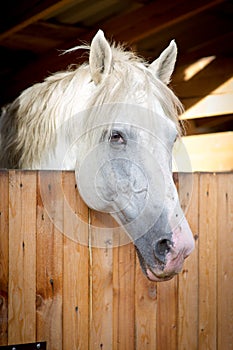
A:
126, 169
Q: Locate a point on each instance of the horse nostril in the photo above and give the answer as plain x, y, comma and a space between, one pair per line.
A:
162, 247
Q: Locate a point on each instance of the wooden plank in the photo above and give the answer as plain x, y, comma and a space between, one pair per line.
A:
145, 311
21, 16
101, 292
214, 97
211, 105
208, 262
22, 257
213, 77
124, 295
51, 36
124, 307
4, 256
167, 315
89, 15
209, 125
49, 260
153, 18
225, 261
75, 268
187, 280
207, 152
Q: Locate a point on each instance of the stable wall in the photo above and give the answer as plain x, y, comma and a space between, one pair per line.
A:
206, 152
78, 297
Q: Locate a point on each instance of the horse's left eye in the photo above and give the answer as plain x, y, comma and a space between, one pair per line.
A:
116, 137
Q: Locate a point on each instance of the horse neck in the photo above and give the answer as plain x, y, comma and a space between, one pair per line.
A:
71, 105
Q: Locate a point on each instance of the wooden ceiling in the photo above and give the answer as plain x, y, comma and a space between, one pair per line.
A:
32, 33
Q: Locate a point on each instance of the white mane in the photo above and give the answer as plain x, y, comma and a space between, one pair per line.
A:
28, 125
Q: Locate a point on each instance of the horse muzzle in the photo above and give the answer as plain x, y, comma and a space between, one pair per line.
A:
162, 260
166, 271
163, 271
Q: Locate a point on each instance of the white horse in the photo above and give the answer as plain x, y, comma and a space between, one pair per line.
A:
114, 121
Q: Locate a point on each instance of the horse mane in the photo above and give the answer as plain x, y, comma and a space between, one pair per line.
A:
28, 125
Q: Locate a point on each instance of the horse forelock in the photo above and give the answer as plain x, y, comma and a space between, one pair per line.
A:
28, 125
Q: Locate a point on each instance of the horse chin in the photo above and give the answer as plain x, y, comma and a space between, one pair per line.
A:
161, 272
155, 278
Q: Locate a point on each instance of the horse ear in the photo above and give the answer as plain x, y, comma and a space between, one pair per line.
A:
100, 59
164, 65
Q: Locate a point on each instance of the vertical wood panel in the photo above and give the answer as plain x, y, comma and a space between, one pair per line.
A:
145, 311
49, 261
193, 311
101, 293
167, 315
22, 257
124, 295
4, 256
207, 262
225, 261
188, 278
75, 273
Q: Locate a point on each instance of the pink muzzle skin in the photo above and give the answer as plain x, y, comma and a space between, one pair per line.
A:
172, 268
183, 245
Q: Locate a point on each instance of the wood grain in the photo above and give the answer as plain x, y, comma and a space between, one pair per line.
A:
22, 257
4, 256
145, 311
75, 269
167, 315
124, 296
187, 280
75, 296
49, 275
225, 261
101, 277
208, 262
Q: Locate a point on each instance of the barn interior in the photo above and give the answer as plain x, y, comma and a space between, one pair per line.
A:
75, 296
34, 33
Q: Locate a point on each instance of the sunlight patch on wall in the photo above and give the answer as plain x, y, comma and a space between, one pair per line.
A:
197, 66
206, 152
219, 102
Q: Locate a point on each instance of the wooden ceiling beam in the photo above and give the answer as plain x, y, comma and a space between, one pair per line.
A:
152, 16
22, 16
215, 124
51, 36
139, 24
210, 106
204, 81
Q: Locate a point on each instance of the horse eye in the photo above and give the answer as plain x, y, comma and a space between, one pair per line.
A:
116, 137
